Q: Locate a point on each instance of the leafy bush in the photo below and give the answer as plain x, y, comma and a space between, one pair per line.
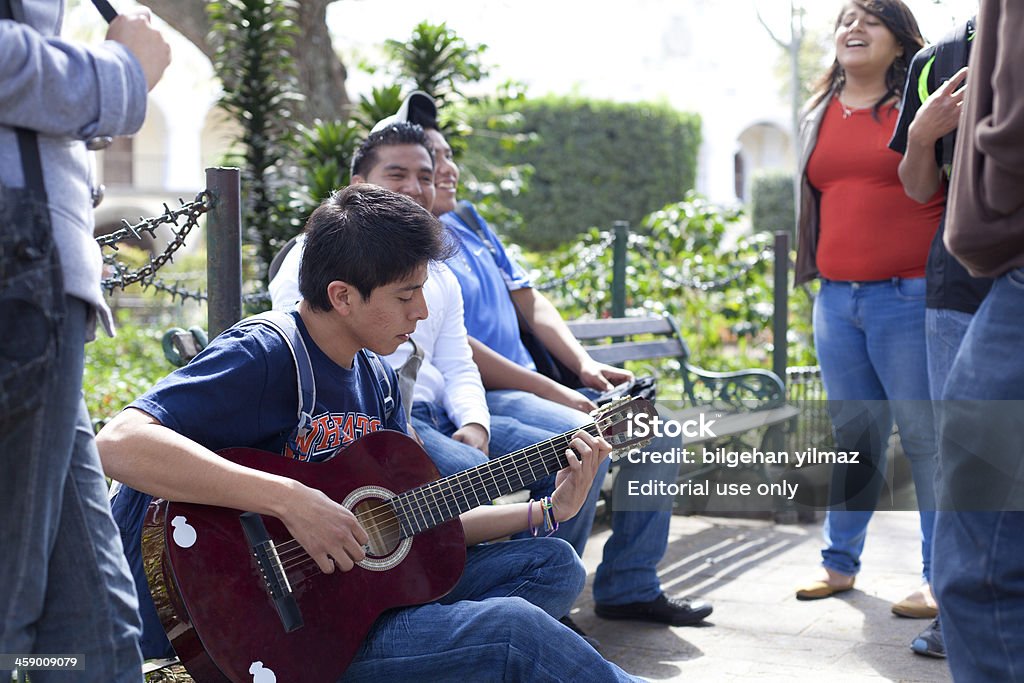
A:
119, 370
592, 162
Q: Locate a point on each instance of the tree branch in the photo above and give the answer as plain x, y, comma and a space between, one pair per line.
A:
771, 34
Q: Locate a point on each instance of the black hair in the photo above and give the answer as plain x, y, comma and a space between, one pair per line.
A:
400, 133
368, 237
898, 18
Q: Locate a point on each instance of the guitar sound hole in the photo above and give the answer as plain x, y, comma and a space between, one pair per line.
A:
381, 525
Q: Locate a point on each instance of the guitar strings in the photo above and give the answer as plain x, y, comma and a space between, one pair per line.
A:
292, 554
290, 551
385, 518
433, 490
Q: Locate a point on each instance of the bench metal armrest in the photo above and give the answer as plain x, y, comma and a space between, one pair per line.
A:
752, 389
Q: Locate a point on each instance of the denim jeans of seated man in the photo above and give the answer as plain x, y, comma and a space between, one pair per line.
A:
496, 625
64, 581
870, 340
628, 571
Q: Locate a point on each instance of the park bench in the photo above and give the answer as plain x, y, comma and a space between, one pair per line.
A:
749, 406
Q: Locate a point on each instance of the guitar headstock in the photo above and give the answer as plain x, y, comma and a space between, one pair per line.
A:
615, 423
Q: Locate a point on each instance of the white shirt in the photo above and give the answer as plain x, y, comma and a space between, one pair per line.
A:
448, 374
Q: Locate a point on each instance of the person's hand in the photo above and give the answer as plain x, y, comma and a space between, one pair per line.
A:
602, 377
473, 434
559, 393
572, 484
134, 30
412, 434
329, 532
940, 113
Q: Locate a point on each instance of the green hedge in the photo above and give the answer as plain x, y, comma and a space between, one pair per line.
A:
592, 162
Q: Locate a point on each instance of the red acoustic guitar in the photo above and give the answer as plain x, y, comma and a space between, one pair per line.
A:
242, 601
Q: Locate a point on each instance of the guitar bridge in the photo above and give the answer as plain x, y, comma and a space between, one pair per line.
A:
272, 571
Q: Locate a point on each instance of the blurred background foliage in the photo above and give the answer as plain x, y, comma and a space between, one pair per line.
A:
551, 175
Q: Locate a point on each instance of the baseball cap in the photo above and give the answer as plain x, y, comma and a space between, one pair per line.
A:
415, 108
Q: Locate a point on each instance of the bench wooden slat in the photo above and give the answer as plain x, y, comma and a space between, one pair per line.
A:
618, 327
619, 352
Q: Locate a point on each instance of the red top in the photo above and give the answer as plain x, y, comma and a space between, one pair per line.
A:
870, 228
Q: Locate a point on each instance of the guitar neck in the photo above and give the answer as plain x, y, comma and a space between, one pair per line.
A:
424, 507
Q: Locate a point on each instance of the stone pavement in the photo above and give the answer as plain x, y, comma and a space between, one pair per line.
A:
759, 631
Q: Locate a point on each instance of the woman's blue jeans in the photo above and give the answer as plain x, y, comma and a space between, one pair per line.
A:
870, 339
65, 587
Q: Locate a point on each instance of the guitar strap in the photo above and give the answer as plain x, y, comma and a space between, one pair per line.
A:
464, 210
407, 378
284, 324
385, 383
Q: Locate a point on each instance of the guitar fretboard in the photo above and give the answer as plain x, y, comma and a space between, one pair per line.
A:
426, 506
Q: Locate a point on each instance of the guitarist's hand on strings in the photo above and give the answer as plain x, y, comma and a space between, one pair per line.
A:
572, 484
329, 532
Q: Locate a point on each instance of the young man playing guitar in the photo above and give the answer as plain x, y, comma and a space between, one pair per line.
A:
368, 251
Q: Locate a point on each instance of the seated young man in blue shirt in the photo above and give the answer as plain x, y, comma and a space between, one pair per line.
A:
368, 254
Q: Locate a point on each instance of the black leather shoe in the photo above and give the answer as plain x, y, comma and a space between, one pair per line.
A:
662, 610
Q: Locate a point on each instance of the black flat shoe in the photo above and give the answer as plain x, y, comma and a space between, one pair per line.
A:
661, 610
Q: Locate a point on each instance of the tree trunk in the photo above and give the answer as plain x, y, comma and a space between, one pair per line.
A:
320, 72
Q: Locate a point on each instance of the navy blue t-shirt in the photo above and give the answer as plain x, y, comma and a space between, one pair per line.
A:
242, 391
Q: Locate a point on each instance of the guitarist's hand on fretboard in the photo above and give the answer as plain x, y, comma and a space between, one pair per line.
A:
573, 483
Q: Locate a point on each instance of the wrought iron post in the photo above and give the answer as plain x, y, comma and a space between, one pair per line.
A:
619, 254
780, 317
224, 249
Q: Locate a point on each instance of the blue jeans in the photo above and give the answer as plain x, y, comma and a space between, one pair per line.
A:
979, 580
870, 339
496, 624
65, 587
435, 429
945, 329
629, 568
